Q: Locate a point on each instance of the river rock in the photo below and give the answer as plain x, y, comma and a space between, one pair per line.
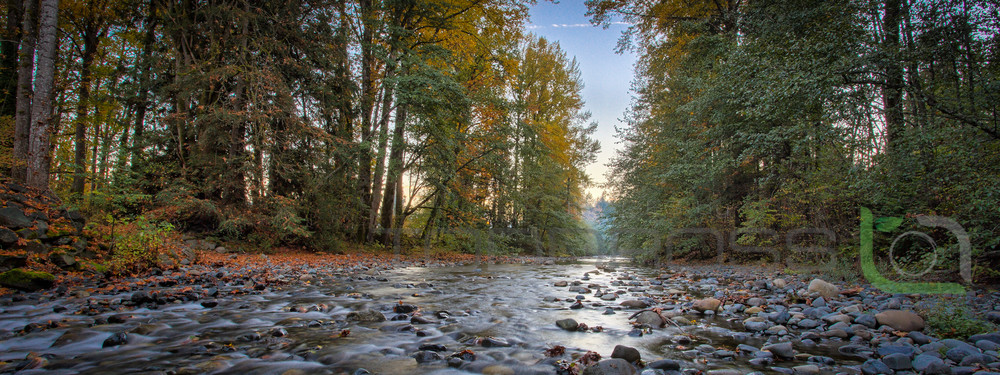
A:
665, 364
22, 279
824, 288
635, 304
117, 338
568, 324
366, 316
900, 320
897, 361
627, 353
650, 318
560, 283
706, 304
929, 364
874, 366
757, 324
805, 370
783, 350
426, 356
867, 320
613, 366
779, 283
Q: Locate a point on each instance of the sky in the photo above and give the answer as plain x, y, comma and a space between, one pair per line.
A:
607, 76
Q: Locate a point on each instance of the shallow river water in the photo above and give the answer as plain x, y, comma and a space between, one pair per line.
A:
482, 308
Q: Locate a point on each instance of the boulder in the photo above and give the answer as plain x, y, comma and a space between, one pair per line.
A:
7, 236
22, 279
14, 218
900, 320
824, 288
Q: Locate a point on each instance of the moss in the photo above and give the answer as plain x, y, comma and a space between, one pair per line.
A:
96, 267
22, 279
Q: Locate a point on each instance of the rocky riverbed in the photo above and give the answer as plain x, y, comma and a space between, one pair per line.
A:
587, 316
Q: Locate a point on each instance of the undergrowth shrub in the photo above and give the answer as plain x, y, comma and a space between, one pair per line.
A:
955, 321
136, 245
179, 206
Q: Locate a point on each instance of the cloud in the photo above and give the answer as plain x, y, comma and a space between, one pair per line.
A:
561, 25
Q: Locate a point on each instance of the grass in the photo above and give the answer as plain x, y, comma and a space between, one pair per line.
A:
955, 320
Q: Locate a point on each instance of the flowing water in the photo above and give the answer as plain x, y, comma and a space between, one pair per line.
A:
510, 303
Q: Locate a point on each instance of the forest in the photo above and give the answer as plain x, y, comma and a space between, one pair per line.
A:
401, 187
328, 125
774, 122
320, 124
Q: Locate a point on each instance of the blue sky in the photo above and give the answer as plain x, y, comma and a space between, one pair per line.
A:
607, 76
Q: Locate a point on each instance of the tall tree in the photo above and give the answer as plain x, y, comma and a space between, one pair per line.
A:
41, 104
25, 74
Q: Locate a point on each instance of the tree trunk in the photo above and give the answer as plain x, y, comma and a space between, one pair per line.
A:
8, 58
41, 106
387, 93
142, 102
892, 94
22, 117
392, 194
367, 104
90, 42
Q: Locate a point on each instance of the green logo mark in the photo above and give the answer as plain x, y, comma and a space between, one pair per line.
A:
887, 224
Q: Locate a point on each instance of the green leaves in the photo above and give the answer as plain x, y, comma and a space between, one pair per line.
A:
887, 224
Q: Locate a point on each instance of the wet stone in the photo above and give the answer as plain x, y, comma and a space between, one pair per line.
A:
433, 347
116, 339
427, 356
627, 353
897, 361
567, 324
874, 366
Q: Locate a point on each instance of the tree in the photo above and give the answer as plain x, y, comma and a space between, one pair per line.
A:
41, 103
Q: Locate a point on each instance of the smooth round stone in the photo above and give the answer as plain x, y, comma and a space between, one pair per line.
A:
874, 366
807, 323
929, 364
805, 370
897, 361
987, 345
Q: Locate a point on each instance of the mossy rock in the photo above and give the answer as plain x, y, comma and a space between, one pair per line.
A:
22, 279
96, 268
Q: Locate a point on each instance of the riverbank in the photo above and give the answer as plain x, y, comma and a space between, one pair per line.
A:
450, 313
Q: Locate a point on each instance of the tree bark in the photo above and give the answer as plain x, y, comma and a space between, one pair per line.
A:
22, 116
142, 102
8, 51
367, 104
387, 94
91, 38
392, 193
892, 92
41, 106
